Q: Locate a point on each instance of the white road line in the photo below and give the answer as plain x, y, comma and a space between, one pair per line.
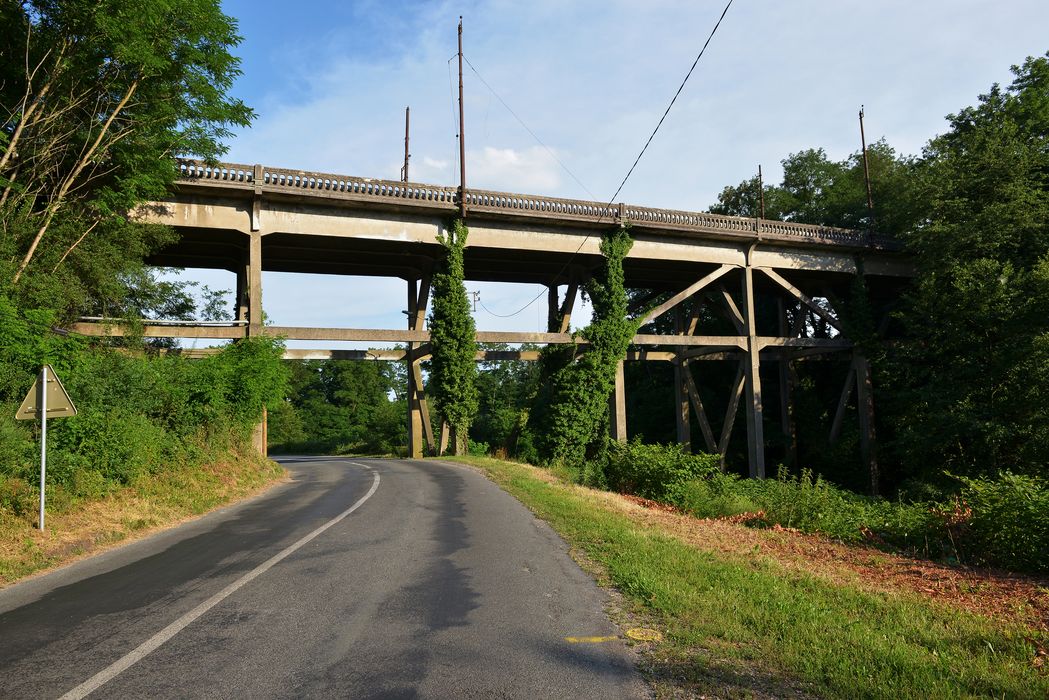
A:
150, 645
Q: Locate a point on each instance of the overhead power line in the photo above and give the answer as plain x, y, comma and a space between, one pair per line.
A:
672, 101
637, 160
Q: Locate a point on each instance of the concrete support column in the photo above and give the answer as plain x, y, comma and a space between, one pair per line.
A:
240, 303
415, 422
752, 380
865, 409
681, 398
420, 430
553, 309
790, 429
254, 310
617, 406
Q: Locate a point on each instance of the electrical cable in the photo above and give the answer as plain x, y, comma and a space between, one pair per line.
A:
637, 160
455, 117
525, 127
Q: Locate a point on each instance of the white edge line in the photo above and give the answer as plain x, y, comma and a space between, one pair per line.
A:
150, 645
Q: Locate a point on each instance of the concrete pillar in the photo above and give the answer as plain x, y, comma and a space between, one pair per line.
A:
415, 418
865, 409
681, 399
790, 429
240, 303
617, 406
752, 381
255, 284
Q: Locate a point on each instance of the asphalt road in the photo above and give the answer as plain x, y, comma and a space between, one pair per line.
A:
358, 579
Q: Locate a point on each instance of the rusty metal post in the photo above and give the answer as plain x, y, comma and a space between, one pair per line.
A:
407, 155
867, 173
462, 130
761, 194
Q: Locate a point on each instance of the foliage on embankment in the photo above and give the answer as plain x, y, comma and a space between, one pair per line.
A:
1001, 521
143, 420
746, 624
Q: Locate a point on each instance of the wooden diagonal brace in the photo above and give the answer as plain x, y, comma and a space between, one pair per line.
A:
734, 314
684, 294
697, 405
843, 400
802, 297
730, 412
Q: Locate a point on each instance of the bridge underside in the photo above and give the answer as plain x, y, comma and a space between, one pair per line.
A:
773, 285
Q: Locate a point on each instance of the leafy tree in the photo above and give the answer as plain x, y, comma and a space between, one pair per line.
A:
505, 390
96, 98
817, 190
972, 380
453, 343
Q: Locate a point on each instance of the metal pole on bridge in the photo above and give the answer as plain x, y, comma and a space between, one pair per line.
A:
407, 118
866, 173
462, 130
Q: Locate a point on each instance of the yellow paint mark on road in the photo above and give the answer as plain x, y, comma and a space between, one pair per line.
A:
643, 634
589, 640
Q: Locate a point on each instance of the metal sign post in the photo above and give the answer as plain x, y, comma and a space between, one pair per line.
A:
37, 403
43, 440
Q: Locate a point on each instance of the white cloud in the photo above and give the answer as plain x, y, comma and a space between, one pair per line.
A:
590, 79
530, 170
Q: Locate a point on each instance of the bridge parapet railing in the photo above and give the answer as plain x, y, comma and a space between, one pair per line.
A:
264, 178
220, 172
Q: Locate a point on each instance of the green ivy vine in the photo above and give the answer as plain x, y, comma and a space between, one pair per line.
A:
453, 342
570, 420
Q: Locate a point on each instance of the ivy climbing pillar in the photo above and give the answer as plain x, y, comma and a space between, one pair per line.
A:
453, 340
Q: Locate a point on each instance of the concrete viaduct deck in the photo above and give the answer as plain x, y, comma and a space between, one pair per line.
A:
251, 218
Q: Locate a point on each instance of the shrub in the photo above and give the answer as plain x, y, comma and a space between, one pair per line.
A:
655, 471
1008, 522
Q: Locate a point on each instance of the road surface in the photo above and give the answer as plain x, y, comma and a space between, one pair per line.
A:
358, 579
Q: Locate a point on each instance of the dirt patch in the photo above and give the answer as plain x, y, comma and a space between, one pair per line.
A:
999, 595
995, 594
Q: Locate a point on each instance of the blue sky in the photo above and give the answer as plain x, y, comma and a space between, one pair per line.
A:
330, 81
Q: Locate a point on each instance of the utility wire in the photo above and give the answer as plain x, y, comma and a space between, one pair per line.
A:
672, 101
630, 172
525, 127
455, 117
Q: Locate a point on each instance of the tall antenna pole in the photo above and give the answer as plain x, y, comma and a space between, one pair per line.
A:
407, 121
462, 130
866, 173
761, 194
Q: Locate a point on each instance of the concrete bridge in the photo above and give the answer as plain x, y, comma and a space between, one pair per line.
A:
250, 218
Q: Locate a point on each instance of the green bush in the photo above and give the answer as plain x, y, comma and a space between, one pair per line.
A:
1008, 521
655, 471
717, 496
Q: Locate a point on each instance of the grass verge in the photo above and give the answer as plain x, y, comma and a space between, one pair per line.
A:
153, 502
745, 626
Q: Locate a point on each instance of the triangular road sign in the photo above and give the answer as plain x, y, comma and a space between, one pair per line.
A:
59, 405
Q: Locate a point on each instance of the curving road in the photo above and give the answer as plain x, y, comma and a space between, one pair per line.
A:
358, 579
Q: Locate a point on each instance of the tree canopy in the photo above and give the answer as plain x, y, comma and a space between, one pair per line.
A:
97, 97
